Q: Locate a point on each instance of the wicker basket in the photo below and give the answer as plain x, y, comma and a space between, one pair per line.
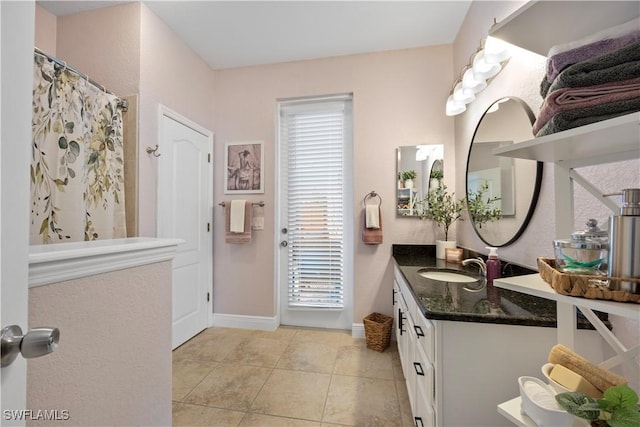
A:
581, 285
377, 330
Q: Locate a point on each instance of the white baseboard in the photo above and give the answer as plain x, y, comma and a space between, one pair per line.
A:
245, 322
357, 330
265, 323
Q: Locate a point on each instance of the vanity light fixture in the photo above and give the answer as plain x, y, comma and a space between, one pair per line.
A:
484, 65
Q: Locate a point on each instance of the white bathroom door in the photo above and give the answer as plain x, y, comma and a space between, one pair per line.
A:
185, 173
17, 85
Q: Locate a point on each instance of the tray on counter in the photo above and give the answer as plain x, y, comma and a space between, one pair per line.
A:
582, 285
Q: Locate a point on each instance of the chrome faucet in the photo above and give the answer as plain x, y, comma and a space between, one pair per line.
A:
483, 273
480, 262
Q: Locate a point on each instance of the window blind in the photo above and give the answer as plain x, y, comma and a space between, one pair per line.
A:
315, 145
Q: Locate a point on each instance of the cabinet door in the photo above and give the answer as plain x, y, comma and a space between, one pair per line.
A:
425, 379
426, 337
424, 415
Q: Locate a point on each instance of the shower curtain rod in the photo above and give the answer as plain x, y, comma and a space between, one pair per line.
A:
122, 103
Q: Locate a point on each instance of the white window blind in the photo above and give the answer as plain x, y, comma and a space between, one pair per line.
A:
315, 145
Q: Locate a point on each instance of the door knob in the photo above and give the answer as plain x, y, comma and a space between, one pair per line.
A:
284, 243
37, 342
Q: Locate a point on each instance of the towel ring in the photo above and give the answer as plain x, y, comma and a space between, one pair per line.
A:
372, 195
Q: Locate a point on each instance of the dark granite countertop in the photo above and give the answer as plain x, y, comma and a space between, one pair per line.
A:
450, 301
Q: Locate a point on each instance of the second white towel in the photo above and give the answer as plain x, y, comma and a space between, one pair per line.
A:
372, 216
236, 224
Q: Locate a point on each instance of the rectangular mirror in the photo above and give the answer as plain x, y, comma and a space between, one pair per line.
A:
419, 167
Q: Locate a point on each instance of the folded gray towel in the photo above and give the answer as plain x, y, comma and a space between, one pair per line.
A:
583, 116
621, 64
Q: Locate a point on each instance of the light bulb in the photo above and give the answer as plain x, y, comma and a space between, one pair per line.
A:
462, 95
471, 83
496, 51
483, 70
454, 108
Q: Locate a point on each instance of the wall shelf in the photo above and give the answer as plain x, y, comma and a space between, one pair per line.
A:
533, 284
607, 141
539, 25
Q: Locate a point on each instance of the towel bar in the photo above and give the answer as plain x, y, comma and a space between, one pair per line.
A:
372, 194
253, 203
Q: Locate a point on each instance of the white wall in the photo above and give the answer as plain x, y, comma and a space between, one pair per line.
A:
113, 364
398, 99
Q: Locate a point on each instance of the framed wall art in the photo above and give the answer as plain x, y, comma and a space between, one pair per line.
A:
245, 167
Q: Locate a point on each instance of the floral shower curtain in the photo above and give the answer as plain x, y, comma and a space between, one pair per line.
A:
77, 165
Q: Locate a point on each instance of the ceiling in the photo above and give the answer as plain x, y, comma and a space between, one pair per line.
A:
228, 34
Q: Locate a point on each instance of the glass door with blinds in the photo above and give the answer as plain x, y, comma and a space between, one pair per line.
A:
316, 213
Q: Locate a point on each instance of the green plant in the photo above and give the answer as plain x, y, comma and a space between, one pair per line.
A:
437, 174
480, 210
442, 208
618, 407
409, 175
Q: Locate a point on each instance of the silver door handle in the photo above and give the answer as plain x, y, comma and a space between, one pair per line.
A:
35, 343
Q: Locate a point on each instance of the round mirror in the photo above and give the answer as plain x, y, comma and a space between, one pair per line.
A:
502, 192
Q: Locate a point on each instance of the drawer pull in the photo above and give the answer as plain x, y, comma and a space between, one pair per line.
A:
393, 296
418, 367
419, 331
400, 321
418, 421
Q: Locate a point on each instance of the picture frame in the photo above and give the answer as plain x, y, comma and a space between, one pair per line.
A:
244, 163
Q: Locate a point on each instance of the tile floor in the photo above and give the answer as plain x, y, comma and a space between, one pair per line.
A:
289, 377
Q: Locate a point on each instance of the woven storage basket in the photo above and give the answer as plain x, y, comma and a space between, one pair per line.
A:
581, 285
377, 330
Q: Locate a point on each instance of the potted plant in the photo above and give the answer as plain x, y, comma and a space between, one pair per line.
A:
617, 408
442, 208
435, 178
480, 209
408, 177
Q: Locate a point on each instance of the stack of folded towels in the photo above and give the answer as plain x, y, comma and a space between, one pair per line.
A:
592, 79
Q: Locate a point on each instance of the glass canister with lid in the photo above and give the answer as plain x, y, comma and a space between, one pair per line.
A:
585, 253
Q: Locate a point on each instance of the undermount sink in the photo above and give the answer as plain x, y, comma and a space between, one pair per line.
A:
446, 276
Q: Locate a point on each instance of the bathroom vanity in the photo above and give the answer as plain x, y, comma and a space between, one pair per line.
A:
460, 356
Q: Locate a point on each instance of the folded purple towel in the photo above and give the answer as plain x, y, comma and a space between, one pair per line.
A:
574, 98
560, 61
616, 66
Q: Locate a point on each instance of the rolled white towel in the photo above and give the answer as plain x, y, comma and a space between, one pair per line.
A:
372, 214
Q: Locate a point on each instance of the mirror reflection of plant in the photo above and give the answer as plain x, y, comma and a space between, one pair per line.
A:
442, 208
409, 175
618, 408
437, 174
480, 210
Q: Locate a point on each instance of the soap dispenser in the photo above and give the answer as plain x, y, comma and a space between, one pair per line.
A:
624, 242
493, 272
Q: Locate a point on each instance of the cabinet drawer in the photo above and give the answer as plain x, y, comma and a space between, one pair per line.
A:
424, 415
425, 375
424, 330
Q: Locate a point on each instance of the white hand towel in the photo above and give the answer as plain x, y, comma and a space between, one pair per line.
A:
236, 224
257, 221
372, 216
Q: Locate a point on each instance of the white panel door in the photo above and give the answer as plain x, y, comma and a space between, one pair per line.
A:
15, 148
184, 212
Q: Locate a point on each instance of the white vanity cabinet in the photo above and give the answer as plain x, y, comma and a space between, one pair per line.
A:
457, 372
414, 335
